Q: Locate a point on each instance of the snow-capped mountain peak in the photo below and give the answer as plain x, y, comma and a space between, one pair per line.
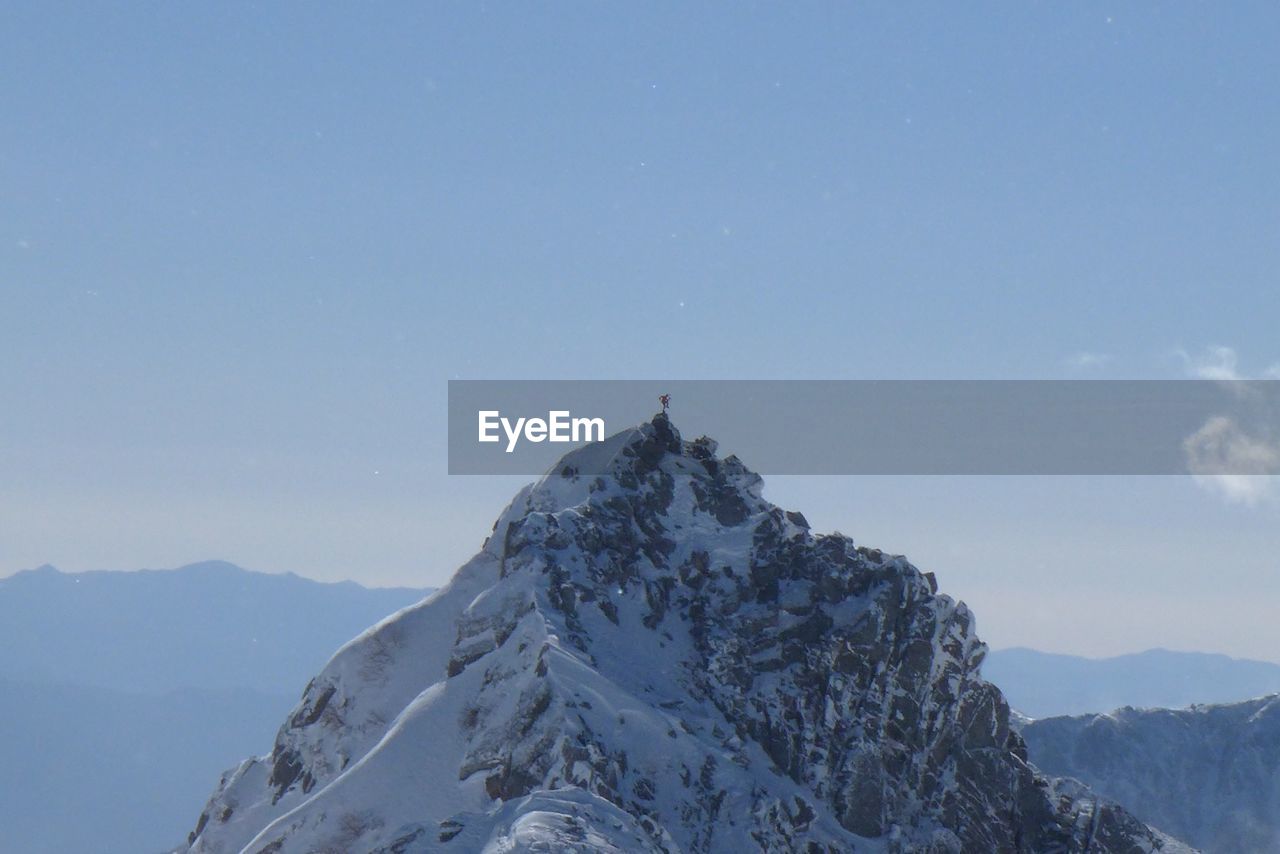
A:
657, 659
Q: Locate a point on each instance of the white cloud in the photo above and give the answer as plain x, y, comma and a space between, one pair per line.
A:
1229, 462
1249, 490
1085, 360
1215, 363
1225, 459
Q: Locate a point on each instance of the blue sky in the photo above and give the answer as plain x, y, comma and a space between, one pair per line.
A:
243, 246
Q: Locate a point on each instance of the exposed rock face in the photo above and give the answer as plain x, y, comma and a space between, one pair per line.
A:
1208, 774
660, 660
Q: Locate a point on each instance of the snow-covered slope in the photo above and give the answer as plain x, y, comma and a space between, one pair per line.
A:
660, 660
1208, 774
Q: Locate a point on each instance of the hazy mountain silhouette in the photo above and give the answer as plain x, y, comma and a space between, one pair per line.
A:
208, 625
123, 693
1041, 684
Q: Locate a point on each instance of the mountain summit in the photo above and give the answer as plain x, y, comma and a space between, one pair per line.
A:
660, 660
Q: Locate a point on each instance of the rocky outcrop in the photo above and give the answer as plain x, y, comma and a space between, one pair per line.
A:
659, 659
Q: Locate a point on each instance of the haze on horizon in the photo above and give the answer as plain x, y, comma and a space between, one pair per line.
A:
244, 248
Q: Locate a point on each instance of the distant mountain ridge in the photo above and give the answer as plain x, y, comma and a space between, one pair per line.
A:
123, 692
1210, 775
209, 625
1041, 684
